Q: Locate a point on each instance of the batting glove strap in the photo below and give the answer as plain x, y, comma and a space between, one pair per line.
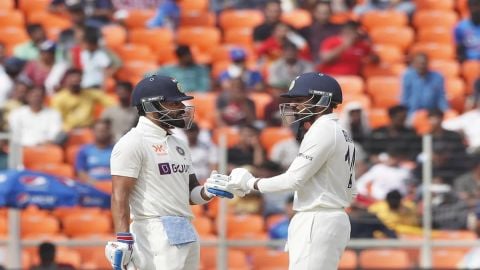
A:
125, 237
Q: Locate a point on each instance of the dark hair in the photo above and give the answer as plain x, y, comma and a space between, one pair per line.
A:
287, 44
125, 85
140, 110
71, 71
102, 121
435, 112
91, 36
268, 2
290, 199
472, 3
351, 25
182, 50
394, 198
46, 251
32, 28
250, 127
396, 109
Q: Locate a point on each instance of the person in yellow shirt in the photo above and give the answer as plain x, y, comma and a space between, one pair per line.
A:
77, 105
400, 216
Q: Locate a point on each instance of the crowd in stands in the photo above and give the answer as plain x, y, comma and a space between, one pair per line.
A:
407, 68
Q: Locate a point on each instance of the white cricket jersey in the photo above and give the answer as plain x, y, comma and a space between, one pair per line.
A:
323, 173
161, 165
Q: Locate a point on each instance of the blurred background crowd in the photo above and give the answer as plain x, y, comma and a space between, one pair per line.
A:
406, 67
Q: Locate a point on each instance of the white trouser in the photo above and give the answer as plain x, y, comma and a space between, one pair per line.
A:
316, 240
153, 252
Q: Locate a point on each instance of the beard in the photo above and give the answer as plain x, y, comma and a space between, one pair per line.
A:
179, 123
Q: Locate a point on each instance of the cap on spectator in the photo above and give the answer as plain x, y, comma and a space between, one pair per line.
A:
14, 65
47, 46
238, 54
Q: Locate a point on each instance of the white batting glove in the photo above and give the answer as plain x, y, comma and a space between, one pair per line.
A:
119, 253
216, 185
241, 180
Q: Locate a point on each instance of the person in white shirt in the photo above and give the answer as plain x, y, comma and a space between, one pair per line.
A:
204, 153
322, 175
95, 62
154, 183
34, 124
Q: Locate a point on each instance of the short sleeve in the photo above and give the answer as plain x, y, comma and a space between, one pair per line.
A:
127, 157
81, 160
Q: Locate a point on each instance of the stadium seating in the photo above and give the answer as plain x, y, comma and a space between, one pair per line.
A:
194, 5
236, 259
384, 259
448, 68
376, 19
401, 37
351, 84
272, 135
203, 225
244, 224
138, 18
39, 224
231, 134
261, 100
297, 18
446, 259
435, 34
434, 18
385, 91
434, 4
232, 19
79, 224
114, 36
42, 154
348, 261
11, 19
7, 5
270, 259
60, 169
197, 18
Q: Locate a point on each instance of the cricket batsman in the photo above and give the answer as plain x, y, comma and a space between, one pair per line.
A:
322, 175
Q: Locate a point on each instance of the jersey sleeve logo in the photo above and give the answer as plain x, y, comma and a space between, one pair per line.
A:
159, 149
180, 151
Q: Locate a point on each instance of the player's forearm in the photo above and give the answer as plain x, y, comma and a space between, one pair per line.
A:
120, 213
282, 182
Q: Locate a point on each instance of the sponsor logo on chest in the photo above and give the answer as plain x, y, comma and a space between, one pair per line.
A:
169, 168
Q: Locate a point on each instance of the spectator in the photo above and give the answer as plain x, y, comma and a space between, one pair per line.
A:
135, 4
29, 50
10, 68
122, 116
273, 203
95, 62
449, 212
94, 13
271, 110
35, 124
355, 121
234, 107
467, 185
452, 141
17, 98
365, 224
46, 252
423, 88
405, 6
272, 13
167, 15
248, 150
76, 104
470, 103
384, 177
271, 48
192, 76
284, 70
238, 69
397, 214
279, 230
204, 155
471, 260
468, 124
45, 72
321, 28
284, 152
344, 54
396, 131
92, 162
467, 34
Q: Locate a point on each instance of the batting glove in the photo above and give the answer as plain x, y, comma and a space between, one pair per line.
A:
119, 253
241, 180
216, 185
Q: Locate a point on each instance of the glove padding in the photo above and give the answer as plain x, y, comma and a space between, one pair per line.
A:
119, 253
239, 181
216, 185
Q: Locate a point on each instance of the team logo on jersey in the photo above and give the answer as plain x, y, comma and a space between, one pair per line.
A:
167, 168
180, 151
159, 149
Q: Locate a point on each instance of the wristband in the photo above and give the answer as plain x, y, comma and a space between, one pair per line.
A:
125, 237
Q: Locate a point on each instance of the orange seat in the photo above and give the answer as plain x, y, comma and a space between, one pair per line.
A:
456, 93
401, 37
61, 212
239, 36
348, 260
7, 5
79, 224
462, 7
270, 259
39, 224
435, 34
446, 259
389, 53
222, 53
435, 18
11, 18
421, 123
71, 154
198, 5
42, 154
3, 226
137, 18
297, 18
12, 36
231, 133
270, 136
385, 91
206, 39
242, 18
351, 84
205, 108
49, 20
361, 98
261, 100
244, 225
114, 35
165, 54
435, 50
203, 225
455, 235
134, 52
197, 18
384, 259
434, 4
448, 68
135, 69
378, 117
375, 19
58, 169
250, 250
153, 38
383, 69
272, 220
236, 259
470, 71
95, 258
80, 136
29, 7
